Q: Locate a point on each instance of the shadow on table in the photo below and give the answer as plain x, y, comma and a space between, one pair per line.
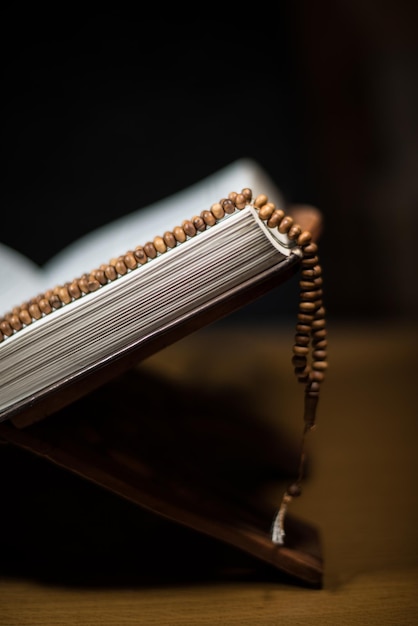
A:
60, 528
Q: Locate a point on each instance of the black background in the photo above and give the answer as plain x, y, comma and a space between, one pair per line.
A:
106, 112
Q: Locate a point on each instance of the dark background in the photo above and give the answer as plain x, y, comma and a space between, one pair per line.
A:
106, 112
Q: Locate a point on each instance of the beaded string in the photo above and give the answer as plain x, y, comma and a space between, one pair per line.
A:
310, 338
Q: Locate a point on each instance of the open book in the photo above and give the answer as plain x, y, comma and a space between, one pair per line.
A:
21, 279
119, 294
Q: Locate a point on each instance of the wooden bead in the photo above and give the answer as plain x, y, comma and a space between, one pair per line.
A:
160, 245
45, 306
302, 340
217, 210
179, 234
1, 336
5, 328
232, 196
275, 218
82, 283
304, 238
302, 374
260, 200
317, 375
35, 311
305, 317
307, 285
25, 318
240, 201
62, 294
266, 211
169, 239
54, 300
303, 328
313, 389
318, 323
299, 361
188, 227
130, 262
308, 273
74, 291
94, 277
228, 206
140, 255
150, 250
294, 231
199, 223
247, 193
320, 343
93, 283
307, 307
300, 350
320, 365
311, 295
15, 322
320, 312
285, 224
319, 355
101, 276
319, 334
310, 249
208, 218
114, 263
309, 261
110, 272
120, 266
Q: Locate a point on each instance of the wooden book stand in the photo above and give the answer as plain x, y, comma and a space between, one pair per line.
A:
184, 455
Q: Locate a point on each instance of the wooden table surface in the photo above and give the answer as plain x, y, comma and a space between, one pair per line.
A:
361, 493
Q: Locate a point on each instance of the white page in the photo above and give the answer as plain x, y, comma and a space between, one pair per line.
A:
23, 279
20, 279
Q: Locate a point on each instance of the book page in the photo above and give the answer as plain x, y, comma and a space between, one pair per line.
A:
21, 279
124, 234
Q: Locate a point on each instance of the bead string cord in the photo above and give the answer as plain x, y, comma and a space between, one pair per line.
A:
310, 338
